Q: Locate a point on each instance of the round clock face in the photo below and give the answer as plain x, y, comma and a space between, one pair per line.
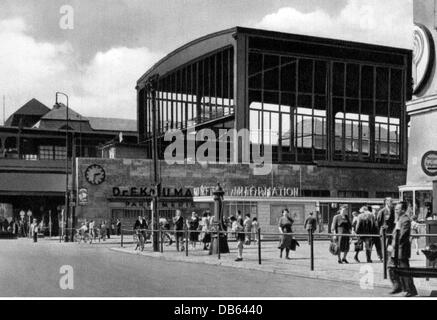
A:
95, 174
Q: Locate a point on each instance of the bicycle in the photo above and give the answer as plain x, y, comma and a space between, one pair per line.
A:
139, 239
81, 235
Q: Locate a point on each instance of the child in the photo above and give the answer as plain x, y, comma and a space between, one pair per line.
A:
255, 227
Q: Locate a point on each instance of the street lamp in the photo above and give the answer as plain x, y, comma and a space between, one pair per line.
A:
219, 243
66, 207
151, 87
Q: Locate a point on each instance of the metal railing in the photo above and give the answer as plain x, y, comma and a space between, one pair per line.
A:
310, 236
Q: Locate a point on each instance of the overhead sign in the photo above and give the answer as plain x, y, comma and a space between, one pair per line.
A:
423, 56
249, 191
429, 163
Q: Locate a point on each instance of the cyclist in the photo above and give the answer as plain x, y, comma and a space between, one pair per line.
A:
140, 227
82, 232
165, 225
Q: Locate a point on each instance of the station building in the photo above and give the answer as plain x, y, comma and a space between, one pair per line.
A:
35, 159
332, 113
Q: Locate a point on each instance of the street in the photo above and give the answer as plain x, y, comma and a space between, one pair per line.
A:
30, 269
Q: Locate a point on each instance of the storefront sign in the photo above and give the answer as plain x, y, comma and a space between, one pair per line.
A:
151, 191
249, 191
429, 163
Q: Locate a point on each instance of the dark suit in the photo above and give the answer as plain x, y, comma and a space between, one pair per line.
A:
402, 246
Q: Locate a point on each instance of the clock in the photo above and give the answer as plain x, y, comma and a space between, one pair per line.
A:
95, 174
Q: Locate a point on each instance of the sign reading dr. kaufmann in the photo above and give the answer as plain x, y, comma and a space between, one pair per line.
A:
429, 163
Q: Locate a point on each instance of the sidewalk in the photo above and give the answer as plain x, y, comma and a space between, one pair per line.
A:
325, 265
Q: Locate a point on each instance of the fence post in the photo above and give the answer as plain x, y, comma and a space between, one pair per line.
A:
311, 240
259, 245
121, 238
384, 251
218, 240
186, 242
161, 240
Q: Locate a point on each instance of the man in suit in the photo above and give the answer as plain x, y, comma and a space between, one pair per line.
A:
178, 222
310, 224
385, 218
400, 249
365, 226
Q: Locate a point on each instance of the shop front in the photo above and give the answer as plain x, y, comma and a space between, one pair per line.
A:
110, 189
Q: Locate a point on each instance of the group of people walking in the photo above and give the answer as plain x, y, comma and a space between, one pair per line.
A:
367, 227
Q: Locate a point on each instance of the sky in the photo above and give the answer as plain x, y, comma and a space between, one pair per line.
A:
94, 51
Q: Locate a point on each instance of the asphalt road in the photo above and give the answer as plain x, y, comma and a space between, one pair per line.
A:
30, 269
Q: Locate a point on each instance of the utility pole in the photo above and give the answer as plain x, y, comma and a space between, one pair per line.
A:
66, 216
151, 87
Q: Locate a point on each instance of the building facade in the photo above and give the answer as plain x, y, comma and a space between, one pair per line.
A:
35, 160
329, 114
422, 111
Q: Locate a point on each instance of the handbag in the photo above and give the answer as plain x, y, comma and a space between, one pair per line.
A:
358, 245
334, 248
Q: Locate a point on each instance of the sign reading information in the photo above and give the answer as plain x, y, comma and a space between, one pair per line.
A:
249, 191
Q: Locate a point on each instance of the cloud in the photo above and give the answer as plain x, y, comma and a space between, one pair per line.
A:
110, 78
386, 22
103, 86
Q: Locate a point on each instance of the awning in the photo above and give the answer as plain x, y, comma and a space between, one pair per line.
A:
32, 183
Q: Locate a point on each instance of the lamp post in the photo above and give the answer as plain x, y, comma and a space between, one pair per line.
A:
66, 207
219, 242
151, 86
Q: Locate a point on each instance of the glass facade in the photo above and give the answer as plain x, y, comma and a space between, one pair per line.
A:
196, 93
290, 98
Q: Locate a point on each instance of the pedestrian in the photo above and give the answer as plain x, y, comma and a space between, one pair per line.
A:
118, 226
247, 225
401, 258
165, 227
386, 219
255, 228
193, 226
237, 227
103, 230
108, 229
365, 226
320, 221
178, 222
285, 225
34, 230
341, 228
310, 224
376, 241
91, 227
206, 235
415, 232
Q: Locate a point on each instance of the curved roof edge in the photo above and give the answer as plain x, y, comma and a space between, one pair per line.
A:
279, 35
183, 47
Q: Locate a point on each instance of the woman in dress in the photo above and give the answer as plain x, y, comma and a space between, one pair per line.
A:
341, 225
286, 238
206, 236
237, 227
193, 225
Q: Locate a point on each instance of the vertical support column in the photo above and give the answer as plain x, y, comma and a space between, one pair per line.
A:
240, 93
